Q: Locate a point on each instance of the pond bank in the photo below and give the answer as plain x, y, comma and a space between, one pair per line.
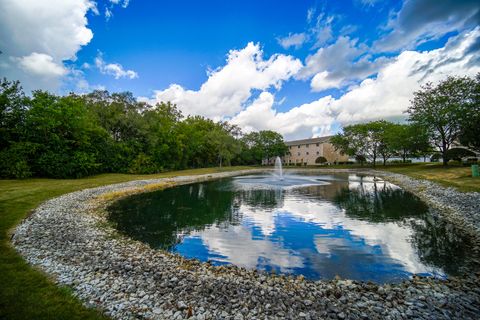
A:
68, 238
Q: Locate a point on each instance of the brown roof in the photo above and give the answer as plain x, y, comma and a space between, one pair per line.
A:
308, 141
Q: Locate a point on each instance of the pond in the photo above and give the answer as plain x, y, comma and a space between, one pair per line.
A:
319, 226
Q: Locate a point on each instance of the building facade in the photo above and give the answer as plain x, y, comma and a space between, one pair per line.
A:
309, 152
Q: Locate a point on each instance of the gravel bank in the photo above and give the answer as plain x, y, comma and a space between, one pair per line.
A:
67, 238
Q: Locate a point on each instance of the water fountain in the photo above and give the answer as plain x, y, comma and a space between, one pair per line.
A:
278, 168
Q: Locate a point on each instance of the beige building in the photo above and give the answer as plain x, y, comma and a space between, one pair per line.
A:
308, 151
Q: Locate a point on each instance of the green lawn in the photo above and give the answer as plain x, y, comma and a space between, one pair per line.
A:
26, 293
458, 176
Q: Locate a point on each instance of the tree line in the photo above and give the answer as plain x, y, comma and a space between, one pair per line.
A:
441, 117
47, 135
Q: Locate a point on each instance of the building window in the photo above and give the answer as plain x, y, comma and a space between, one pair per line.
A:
318, 152
298, 146
307, 153
298, 154
318, 144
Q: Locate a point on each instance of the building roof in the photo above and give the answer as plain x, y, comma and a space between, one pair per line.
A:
308, 141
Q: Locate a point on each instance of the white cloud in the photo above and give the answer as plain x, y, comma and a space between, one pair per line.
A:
340, 63
42, 65
389, 94
228, 88
386, 96
114, 69
108, 14
123, 3
424, 20
307, 120
48, 32
321, 82
323, 29
310, 14
109, 8
293, 40
369, 3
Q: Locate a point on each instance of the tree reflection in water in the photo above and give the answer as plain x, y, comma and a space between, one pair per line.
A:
163, 218
437, 242
358, 225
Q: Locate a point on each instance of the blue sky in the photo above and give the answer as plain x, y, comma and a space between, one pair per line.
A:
303, 68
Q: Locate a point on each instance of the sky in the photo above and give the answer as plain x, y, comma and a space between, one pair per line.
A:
301, 68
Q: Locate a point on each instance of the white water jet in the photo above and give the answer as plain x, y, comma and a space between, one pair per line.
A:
278, 168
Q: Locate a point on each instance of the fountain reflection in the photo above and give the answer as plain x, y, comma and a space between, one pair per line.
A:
319, 226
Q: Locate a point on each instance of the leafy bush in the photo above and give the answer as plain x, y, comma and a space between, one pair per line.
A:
400, 161
321, 160
360, 158
14, 161
458, 153
143, 164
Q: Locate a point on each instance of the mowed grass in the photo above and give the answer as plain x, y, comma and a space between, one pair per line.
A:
27, 293
456, 176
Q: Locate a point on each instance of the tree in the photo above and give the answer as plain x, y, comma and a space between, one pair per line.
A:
13, 106
408, 140
265, 145
364, 139
382, 131
470, 124
441, 108
64, 132
73, 136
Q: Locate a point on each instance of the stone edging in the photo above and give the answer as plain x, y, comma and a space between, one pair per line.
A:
127, 279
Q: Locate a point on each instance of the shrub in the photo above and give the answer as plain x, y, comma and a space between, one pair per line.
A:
14, 161
458, 153
321, 160
143, 164
360, 158
400, 161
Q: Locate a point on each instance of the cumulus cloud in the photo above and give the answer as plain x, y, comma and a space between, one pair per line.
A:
424, 20
114, 69
293, 40
42, 65
322, 81
339, 63
385, 97
228, 88
48, 32
310, 119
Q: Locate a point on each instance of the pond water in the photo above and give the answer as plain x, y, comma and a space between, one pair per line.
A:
357, 227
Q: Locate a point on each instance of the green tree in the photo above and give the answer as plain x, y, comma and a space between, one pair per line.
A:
441, 108
364, 139
470, 122
64, 131
408, 140
13, 106
265, 145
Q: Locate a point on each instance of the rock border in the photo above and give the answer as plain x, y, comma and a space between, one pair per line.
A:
67, 238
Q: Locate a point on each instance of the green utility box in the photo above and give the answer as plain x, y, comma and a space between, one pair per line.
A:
475, 170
